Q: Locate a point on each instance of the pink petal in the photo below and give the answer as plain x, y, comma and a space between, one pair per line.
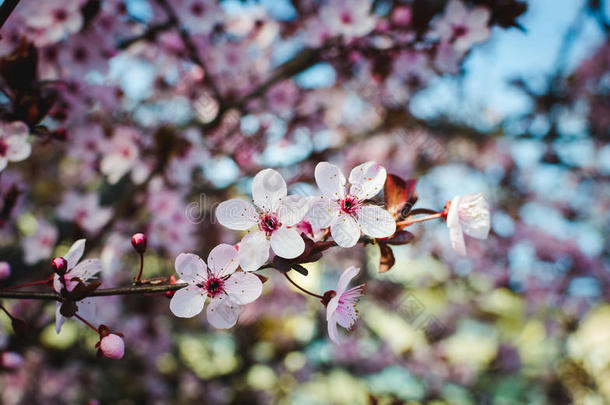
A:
236, 214
222, 312
287, 243
268, 189
253, 251
330, 180
376, 222
347, 276
75, 253
345, 231
187, 302
243, 288
367, 180
190, 267
223, 260
292, 210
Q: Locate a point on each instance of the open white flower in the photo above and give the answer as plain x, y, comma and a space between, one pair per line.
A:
76, 272
468, 215
462, 27
341, 308
274, 216
347, 213
228, 290
14, 146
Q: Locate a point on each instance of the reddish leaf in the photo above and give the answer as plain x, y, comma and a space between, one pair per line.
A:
400, 195
386, 260
83, 290
401, 238
68, 308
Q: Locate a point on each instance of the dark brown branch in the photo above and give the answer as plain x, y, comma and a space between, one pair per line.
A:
6, 9
135, 290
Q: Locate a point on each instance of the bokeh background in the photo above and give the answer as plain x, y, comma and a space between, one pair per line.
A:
143, 115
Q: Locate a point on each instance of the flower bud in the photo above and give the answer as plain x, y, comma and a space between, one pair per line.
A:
5, 270
138, 241
10, 360
328, 295
112, 346
60, 265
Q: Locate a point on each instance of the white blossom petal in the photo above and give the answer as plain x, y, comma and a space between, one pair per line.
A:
223, 260
253, 251
236, 214
347, 276
17, 149
243, 288
345, 231
292, 210
330, 180
287, 243
332, 330
75, 253
322, 212
367, 180
222, 312
59, 318
86, 269
268, 189
457, 239
187, 302
376, 222
190, 267
3, 162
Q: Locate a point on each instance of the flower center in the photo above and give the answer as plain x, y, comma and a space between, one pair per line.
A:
268, 223
3, 147
214, 286
459, 31
346, 18
197, 9
61, 15
349, 205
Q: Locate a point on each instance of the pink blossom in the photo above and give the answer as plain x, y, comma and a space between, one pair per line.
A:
227, 289
349, 18
10, 360
14, 146
341, 308
5, 270
52, 20
84, 210
468, 215
348, 214
275, 218
112, 346
121, 153
39, 245
199, 16
462, 27
76, 273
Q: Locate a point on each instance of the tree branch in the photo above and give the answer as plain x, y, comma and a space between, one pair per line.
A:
135, 290
6, 9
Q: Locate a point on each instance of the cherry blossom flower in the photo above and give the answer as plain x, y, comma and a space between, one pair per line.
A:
39, 245
76, 273
53, 20
348, 214
84, 210
199, 16
120, 153
462, 27
341, 303
275, 218
468, 214
349, 18
14, 146
228, 290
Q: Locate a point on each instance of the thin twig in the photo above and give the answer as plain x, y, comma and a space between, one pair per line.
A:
6, 9
135, 290
301, 288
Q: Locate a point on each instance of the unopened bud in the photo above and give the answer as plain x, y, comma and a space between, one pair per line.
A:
138, 241
112, 346
5, 270
60, 265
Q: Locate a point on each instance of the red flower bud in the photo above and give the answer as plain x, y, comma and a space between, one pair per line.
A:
138, 241
60, 265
